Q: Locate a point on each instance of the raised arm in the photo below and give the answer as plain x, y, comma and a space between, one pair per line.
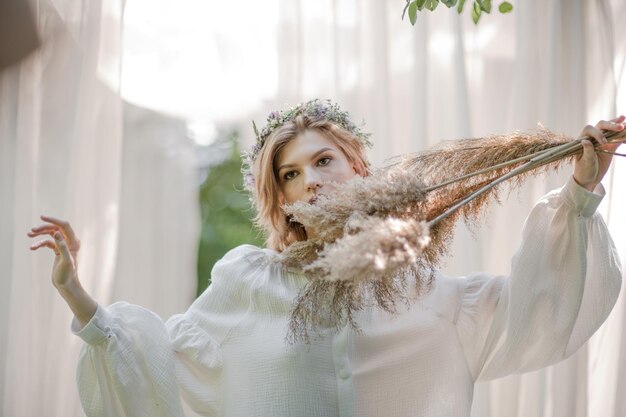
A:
65, 245
564, 279
127, 366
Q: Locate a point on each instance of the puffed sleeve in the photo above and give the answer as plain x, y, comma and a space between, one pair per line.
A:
134, 364
126, 366
564, 281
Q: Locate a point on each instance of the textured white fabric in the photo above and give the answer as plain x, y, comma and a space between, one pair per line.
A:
228, 356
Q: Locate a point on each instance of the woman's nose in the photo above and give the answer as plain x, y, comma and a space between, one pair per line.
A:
312, 180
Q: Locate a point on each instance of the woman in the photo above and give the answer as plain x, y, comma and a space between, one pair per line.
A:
227, 354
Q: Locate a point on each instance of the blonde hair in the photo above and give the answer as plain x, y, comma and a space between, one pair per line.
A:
270, 216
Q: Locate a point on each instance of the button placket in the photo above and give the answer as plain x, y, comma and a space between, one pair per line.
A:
343, 371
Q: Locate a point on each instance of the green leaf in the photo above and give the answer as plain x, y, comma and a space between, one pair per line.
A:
420, 4
406, 6
476, 11
449, 3
431, 4
505, 7
413, 12
485, 5
460, 6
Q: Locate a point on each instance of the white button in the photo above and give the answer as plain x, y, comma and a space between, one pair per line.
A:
343, 374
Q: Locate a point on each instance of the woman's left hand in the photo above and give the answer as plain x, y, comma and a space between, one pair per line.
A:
591, 166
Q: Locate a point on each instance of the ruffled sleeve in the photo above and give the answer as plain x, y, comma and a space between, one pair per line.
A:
198, 335
134, 364
564, 281
126, 367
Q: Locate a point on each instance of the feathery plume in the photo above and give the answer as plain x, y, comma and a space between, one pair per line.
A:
373, 235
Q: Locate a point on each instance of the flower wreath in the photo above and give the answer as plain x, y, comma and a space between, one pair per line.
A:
315, 109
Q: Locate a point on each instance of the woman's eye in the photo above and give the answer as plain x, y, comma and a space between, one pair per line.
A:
289, 175
324, 161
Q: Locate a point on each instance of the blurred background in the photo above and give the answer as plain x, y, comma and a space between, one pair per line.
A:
127, 118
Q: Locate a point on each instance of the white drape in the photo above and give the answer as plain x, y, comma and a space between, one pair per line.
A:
124, 176
132, 202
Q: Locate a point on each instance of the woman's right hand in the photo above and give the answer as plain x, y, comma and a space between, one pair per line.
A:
65, 245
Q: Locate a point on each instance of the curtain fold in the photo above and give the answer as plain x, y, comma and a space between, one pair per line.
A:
64, 143
63, 153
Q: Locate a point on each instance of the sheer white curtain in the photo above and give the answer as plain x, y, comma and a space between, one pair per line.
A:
60, 149
132, 202
124, 175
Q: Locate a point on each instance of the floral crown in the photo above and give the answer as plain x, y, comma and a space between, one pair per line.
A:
314, 109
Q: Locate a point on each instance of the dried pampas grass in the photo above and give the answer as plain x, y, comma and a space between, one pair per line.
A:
373, 235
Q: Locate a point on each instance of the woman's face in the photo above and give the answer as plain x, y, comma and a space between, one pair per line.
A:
307, 164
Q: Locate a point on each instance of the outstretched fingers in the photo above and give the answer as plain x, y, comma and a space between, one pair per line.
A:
47, 244
43, 230
58, 245
52, 226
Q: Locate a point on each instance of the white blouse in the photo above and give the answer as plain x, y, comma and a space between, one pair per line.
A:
226, 355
